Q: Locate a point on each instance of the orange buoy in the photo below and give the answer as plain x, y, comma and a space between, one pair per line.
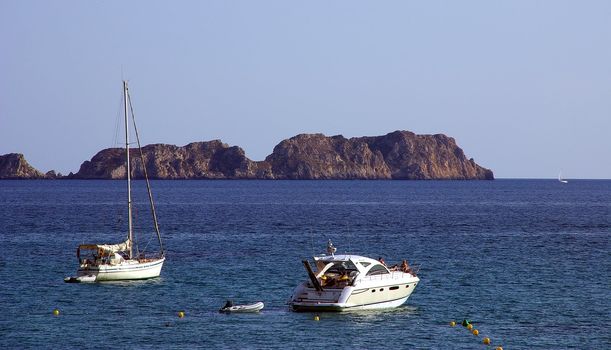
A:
475, 332
486, 340
469, 326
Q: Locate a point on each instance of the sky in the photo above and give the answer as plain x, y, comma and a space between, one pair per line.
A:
523, 86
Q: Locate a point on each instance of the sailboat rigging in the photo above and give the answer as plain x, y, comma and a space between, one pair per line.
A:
114, 262
561, 179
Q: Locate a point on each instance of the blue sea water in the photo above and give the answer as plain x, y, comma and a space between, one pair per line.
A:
527, 261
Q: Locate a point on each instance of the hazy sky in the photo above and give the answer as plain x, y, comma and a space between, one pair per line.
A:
523, 86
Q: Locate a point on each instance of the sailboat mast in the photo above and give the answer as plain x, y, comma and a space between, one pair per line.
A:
129, 185
146, 177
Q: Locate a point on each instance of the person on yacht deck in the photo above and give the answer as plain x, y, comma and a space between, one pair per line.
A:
405, 267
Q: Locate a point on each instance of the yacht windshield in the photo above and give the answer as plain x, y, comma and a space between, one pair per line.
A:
338, 274
340, 267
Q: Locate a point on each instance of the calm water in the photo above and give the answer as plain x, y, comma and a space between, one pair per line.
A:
528, 261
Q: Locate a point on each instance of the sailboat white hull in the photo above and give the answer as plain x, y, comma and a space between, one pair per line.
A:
127, 270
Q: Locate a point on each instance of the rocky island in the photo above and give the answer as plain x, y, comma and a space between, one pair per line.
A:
14, 166
398, 155
197, 160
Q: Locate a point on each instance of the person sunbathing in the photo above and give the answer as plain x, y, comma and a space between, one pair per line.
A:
405, 267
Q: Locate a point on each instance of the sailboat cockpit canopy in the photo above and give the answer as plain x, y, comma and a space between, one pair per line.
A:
92, 254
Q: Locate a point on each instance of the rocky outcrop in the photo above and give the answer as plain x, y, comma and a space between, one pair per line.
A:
14, 166
316, 156
198, 160
51, 174
397, 155
425, 157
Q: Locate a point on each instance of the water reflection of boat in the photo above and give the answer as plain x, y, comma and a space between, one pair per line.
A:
122, 261
351, 282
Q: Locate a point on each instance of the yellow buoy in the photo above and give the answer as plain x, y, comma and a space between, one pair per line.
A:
316, 318
452, 324
469, 326
486, 340
475, 332
181, 314
56, 312
499, 348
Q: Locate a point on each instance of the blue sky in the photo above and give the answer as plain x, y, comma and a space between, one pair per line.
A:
523, 86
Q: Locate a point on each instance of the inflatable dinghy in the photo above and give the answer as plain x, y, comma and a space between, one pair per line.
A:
256, 307
81, 279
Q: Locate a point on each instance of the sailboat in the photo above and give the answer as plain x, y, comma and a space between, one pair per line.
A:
560, 178
121, 261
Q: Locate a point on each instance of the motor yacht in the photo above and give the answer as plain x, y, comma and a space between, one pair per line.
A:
342, 282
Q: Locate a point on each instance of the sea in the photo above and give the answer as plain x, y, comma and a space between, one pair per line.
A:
527, 262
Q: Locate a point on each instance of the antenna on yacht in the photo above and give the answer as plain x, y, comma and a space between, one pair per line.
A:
349, 237
311, 241
330, 248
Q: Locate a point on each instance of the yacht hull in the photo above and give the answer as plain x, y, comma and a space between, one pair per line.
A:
342, 307
350, 298
127, 270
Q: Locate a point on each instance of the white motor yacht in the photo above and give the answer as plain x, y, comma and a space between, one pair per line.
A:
352, 282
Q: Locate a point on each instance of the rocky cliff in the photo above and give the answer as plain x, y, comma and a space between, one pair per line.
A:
425, 157
198, 160
14, 166
316, 156
397, 155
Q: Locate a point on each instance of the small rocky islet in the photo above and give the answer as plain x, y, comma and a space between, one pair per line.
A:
401, 155
14, 166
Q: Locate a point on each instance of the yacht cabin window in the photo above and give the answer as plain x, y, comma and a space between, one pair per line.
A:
377, 270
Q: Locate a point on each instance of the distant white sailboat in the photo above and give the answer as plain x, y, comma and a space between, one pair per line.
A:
560, 178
